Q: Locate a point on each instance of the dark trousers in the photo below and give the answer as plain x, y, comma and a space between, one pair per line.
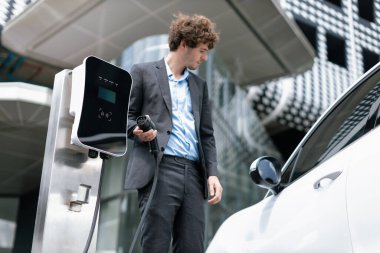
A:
177, 209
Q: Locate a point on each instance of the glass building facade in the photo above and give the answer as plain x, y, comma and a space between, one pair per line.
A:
345, 38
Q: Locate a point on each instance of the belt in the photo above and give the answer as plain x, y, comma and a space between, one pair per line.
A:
179, 160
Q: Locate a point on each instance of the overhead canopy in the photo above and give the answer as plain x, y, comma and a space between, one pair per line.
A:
258, 41
24, 116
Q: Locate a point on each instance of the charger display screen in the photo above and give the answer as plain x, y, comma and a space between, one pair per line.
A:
107, 95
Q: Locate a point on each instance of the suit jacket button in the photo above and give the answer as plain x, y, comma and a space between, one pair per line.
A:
168, 132
162, 149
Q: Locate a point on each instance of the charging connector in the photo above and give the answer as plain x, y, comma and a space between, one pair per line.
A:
145, 123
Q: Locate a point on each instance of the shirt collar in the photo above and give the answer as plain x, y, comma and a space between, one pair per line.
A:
171, 76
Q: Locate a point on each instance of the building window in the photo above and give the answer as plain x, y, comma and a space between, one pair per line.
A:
335, 2
366, 10
336, 50
310, 31
369, 59
231, 90
221, 96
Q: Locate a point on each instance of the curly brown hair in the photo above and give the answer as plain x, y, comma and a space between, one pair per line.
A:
193, 30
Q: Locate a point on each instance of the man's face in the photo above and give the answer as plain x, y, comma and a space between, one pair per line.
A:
193, 57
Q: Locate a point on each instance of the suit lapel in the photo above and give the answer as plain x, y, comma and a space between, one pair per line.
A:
164, 84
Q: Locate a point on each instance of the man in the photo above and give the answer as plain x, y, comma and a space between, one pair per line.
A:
177, 102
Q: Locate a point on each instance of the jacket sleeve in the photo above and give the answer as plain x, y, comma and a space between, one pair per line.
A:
207, 135
136, 99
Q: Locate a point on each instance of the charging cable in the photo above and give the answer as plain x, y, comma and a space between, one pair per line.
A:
145, 124
91, 154
147, 206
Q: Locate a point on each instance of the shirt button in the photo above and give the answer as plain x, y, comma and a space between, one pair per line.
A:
162, 149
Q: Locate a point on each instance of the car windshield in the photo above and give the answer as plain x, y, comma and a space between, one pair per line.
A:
344, 124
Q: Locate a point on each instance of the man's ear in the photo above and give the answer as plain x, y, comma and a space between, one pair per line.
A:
182, 44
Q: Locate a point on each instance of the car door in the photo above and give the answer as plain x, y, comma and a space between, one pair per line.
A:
307, 216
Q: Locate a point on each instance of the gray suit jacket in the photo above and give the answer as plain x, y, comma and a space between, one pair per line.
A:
150, 95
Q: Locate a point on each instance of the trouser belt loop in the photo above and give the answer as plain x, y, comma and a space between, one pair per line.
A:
186, 171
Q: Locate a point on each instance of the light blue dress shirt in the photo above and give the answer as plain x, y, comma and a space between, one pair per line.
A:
183, 140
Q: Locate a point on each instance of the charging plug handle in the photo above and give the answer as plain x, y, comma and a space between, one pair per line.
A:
145, 123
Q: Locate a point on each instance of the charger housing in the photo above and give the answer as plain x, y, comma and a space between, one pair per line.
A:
99, 102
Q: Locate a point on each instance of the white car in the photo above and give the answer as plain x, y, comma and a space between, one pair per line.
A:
326, 198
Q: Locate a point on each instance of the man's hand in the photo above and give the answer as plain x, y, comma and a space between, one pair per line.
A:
215, 189
145, 136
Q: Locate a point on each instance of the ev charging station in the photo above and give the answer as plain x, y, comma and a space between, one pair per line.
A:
87, 124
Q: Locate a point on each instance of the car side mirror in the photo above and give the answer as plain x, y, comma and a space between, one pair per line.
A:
266, 173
